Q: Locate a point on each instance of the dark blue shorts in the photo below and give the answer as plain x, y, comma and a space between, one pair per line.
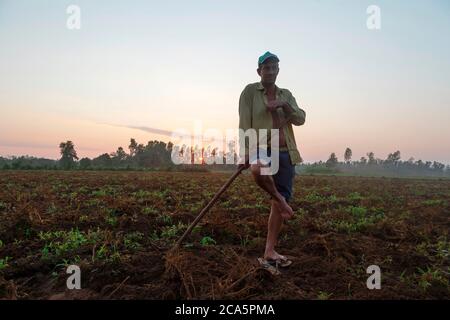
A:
284, 178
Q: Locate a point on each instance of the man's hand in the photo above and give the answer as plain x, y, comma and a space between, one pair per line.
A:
275, 104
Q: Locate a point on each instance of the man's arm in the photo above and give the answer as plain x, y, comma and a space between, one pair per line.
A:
245, 115
245, 110
293, 113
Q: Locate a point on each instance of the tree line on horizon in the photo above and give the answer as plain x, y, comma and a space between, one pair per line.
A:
156, 155
371, 165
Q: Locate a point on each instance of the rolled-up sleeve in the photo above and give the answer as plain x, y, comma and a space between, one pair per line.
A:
245, 118
295, 115
245, 110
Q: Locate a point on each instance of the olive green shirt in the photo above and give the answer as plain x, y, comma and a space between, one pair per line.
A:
253, 113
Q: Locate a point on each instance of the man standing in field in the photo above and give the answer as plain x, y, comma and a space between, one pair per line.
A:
263, 105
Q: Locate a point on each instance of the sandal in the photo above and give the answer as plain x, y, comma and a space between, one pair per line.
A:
267, 265
282, 262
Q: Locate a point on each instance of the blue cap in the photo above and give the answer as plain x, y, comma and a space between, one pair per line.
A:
266, 56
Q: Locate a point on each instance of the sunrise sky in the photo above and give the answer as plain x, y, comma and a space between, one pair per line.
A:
165, 64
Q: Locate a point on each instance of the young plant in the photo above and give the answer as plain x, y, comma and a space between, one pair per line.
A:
4, 262
207, 241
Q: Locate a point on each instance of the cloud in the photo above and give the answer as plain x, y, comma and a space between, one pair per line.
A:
20, 144
158, 131
150, 130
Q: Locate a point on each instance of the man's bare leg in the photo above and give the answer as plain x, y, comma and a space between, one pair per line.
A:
273, 230
267, 184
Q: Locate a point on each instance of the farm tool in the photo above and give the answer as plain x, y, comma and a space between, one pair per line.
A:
208, 206
216, 197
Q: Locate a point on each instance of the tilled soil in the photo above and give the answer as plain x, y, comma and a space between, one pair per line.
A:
118, 227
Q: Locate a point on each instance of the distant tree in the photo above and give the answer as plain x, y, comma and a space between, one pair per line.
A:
133, 147
438, 166
419, 163
371, 158
363, 160
68, 155
348, 155
121, 154
231, 154
103, 161
393, 157
332, 161
85, 163
119, 157
140, 149
170, 147
17, 163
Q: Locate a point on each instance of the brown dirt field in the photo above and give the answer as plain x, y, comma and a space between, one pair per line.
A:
118, 227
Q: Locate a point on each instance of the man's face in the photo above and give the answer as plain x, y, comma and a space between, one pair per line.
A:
268, 71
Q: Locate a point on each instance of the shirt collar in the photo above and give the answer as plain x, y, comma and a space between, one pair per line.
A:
261, 87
